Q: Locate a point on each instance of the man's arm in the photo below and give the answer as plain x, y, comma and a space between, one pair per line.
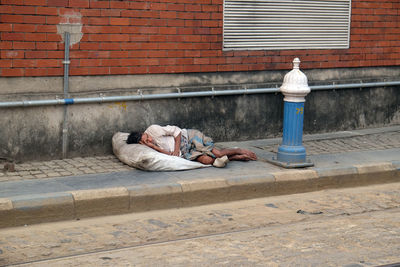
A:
177, 148
153, 146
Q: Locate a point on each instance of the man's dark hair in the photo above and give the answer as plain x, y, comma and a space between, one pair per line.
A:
134, 138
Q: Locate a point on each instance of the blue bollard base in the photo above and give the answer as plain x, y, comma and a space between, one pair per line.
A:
292, 154
290, 165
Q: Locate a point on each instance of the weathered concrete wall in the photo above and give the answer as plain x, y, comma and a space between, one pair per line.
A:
32, 133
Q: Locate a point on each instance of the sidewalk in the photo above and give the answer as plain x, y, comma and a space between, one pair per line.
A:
84, 187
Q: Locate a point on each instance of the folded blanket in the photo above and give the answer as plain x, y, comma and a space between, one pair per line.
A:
145, 158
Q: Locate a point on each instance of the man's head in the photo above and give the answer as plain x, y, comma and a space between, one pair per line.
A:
134, 138
139, 138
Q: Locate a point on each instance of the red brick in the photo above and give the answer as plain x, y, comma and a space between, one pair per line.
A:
202, 15
89, 46
110, 62
110, 46
99, 71
192, 53
167, 61
185, 15
46, 46
119, 70
138, 70
157, 53
210, 23
5, 72
175, 23
168, 30
34, 19
12, 2
209, 8
12, 36
24, 28
191, 68
110, 13
148, 30
99, 37
89, 62
148, 46
79, 54
49, 63
35, 54
167, 14
158, 6
6, 9
24, 63
137, 53
5, 63
140, 5
140, 13
6, 45
12, 18
127, 62
176, 7
46, 28
35, 37
79, 71
147, 61
51, 11
195, 7
4, 27
209, 68
91, 12
119, 54
119, 4
12, 54
35, 2
53, 37
173, 69
24, 45
55, 54
119, 37
55, 71
24, 10
157, 69
62, 3
99, 4
36, 72
79, 3
99, 21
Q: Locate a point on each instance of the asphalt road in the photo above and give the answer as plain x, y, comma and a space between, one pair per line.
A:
342, 227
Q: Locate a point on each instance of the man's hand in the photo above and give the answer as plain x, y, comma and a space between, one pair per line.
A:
175, 153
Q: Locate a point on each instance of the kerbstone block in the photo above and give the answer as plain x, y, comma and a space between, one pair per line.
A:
97, 202
29, 209
155, 196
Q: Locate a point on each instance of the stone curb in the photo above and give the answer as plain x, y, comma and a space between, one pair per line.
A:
31, 209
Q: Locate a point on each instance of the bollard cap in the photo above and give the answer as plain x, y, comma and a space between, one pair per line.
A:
295, 84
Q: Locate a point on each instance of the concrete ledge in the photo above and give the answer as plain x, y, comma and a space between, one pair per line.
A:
31, 209
107, 201
155, 196
6, 213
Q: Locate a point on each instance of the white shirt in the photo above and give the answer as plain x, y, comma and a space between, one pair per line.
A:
164, 136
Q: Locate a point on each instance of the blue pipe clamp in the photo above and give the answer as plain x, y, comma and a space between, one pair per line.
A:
291, 153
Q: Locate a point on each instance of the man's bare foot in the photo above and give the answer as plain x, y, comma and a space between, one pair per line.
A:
242, 157
249, 153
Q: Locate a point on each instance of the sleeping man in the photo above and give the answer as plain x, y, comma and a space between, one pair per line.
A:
189, 144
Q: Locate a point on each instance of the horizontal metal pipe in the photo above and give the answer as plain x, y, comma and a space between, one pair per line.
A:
102, 99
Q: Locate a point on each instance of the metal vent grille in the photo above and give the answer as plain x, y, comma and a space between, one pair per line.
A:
286, 24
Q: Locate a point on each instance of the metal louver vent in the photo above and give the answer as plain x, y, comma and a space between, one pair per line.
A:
286, 24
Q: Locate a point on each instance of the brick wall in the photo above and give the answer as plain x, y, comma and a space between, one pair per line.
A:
168, 36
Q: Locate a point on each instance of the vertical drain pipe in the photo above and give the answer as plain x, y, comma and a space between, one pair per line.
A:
66, 63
